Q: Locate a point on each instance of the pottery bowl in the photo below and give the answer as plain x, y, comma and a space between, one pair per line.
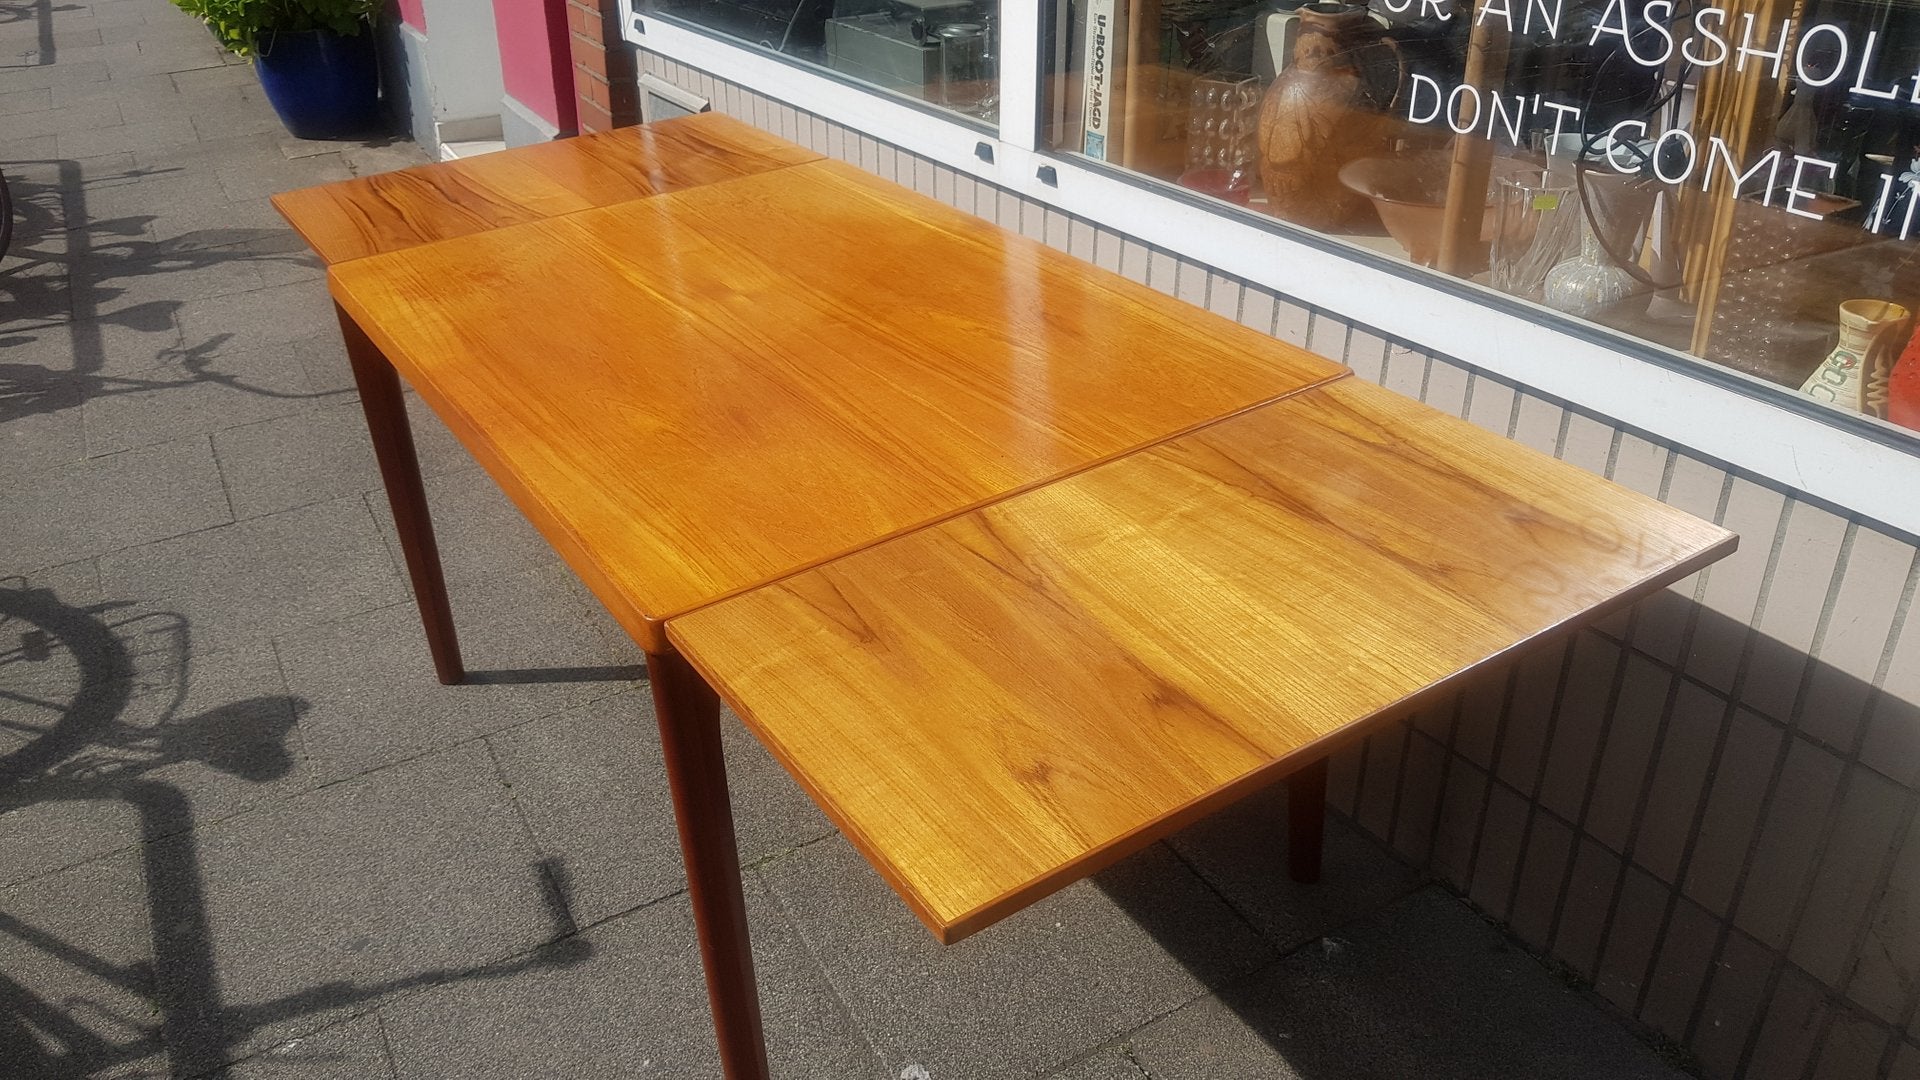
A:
1410, 192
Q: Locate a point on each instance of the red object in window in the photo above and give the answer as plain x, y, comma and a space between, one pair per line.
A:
1903, 387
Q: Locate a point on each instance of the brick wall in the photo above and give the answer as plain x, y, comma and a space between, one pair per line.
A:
1704, 807
603, 67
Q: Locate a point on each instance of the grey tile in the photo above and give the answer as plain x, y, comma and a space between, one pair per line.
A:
1734, 584
1787, 847
1850, 863
156, 740
353, 1050
324, 358
48, 75
78, 985
262, 576
260, 178
592, 787
318, 454
193, 80
90, 355
1110, 1063
1242, 852
1042, 987
109, 503
1424, 989
195, 396
379, 157
138, 273
169, 30
273, 316
485, 543
317, 908
1795, 597
282, 258
127, 138
372, 698
41, 440
648, 1019
210, 224
1889, 960
98, 112
1852, 646
25, 101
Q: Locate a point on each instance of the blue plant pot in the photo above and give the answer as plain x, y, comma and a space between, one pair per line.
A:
323, 85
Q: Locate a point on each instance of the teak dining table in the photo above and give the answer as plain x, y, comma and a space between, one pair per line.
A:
1016, 565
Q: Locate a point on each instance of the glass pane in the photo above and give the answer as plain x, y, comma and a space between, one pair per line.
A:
1736, 182
941, 51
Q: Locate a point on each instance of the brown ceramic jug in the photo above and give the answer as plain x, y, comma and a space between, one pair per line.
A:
1327, 108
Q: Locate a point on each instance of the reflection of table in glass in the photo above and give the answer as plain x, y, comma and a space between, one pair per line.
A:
1142, 559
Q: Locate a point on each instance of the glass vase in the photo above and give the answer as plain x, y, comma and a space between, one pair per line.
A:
1589, 281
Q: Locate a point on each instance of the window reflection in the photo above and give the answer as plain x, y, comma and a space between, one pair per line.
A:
941, 51
1734, 180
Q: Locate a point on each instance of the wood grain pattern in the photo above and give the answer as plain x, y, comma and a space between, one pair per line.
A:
998, 705
694, 394
391, 211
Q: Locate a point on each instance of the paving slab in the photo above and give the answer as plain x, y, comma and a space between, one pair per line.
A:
316, 454
193, 396
67, 360
250, 320
93, 112
592, 787
643, 969
1107, 1064
26, 101
174, 740
133, 272
1047, 985
317, 908
1424, 988
246, 581
50, 436
1242, 852
355, 1049
109, 504
80, 936
370, 693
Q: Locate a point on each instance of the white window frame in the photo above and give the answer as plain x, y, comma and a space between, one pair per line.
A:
1875, 479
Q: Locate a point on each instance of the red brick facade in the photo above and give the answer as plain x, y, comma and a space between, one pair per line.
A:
603, 67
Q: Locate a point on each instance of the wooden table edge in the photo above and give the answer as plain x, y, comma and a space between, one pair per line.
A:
949, 931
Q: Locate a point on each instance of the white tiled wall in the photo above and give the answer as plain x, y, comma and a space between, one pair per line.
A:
1705, 805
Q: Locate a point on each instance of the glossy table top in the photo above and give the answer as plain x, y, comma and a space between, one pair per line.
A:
999, 705
703, 391
391, 211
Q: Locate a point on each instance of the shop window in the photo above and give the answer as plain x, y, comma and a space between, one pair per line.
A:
1737, 182
943, 52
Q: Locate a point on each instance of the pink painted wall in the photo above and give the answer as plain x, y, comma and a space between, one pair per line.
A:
414, 14
535, 59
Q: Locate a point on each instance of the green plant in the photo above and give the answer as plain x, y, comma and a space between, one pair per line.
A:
240, 24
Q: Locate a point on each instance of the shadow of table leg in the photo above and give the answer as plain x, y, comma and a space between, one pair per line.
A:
386, 410
689, 716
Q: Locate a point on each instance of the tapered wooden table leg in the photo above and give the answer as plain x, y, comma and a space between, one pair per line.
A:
386, 410
1306, 821
689, 716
